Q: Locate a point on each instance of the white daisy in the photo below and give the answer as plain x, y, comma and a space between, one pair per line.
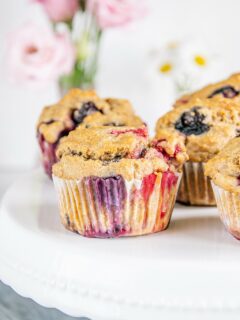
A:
187, 64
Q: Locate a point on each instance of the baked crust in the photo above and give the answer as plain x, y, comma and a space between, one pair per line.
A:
220, 122
121, 106
109, 151
103, 143
224, 168
209, 90
171, 140
111, 119
75, 168
57, 119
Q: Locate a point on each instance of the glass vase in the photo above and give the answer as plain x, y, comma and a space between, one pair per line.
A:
87, 37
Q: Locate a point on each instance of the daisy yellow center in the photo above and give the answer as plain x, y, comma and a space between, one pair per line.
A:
166, 67
200, 61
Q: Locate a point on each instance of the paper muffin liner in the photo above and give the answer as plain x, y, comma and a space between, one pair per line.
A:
113, 207
228, 204
48, 151
195, 188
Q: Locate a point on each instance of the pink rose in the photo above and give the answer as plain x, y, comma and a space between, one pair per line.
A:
37, 54
59, 10
114, 13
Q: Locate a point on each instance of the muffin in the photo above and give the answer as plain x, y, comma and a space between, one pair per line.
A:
75, 107
111, 119
224, 170
207, 125
228, 89
114, 181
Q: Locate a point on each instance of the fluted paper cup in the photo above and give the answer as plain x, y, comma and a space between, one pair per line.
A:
195, 188
113, 207
228, 204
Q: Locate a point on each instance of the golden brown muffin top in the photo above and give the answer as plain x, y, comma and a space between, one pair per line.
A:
121, 106
104, 143
206, 124
57, 120
106, 151
228, 89
111, 119
172, 142
224, 168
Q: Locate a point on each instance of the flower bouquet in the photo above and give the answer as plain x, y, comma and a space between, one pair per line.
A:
67, 50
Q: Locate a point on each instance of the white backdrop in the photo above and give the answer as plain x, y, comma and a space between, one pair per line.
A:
123, 71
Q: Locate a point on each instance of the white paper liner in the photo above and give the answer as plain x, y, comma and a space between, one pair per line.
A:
228, 204
81, 213
195, 188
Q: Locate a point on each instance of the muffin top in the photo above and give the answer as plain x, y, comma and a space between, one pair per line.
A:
104, 143
228, 89
121, 106
206, 125
108, 151
57, 120
224, 168
112, 119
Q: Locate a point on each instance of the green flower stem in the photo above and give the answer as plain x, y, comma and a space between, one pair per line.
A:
85, 68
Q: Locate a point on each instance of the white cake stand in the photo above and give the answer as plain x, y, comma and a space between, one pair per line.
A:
190, 271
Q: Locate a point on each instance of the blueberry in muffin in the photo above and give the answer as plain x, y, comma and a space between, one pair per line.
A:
206, 125
56, 121
227, 89
227, 92
192, 122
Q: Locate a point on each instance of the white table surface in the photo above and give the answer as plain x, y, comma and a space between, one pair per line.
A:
12, 306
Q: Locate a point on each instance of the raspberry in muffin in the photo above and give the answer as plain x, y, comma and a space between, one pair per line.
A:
224, 170
206, 125
228, 89
77, 106
114, 181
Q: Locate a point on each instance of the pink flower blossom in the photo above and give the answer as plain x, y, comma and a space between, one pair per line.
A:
37, 54
59, 10
114, 13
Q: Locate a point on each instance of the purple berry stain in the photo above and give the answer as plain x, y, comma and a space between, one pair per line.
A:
109, 195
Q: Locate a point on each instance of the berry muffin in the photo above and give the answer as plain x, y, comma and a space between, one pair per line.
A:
224, 170
207, 125
228, 89
113, 181
111, 119
58, 120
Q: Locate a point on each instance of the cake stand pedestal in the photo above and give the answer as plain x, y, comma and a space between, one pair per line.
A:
190, 271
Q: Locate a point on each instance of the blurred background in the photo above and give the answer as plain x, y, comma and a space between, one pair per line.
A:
128, 65
150, 61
